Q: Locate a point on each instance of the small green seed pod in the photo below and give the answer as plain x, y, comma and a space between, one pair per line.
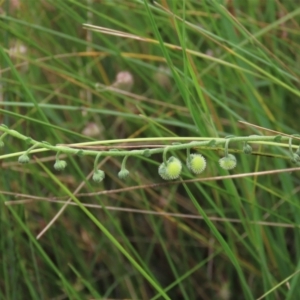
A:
98, 176
60, 165
171, 170
123, 174
196, 163
228, 162
23, 159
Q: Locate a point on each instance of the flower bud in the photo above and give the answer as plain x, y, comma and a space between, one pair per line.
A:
91, 129
60, 165
124, 81
228, 162
23, 159
123, 174
98, 176
247, 149
147, 153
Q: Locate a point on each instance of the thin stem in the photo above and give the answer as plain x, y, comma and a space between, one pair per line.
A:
96, 161
226, 147
290, 146
165, 155
31, 148
57, 156
123, 166
3, 136
188, 152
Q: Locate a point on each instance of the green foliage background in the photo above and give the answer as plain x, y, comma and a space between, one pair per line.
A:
198, 68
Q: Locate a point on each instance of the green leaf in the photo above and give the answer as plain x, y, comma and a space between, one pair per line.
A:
28, 140
147, 153
80, 153
277, 138
212, 143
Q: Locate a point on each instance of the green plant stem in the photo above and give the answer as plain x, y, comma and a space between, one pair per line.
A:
290, 146
57, 155
269, 140
188, 152
3, 136
96, 161
123, 166
226, 147
165, 155
31, 148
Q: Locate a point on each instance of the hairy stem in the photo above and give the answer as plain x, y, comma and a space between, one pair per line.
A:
203, 143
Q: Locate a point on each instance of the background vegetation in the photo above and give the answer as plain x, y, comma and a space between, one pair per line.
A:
174, 69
